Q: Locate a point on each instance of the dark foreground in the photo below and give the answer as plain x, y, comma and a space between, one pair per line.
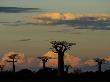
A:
46, 81
50, 75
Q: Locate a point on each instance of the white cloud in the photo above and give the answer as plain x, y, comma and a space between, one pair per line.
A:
57, 16
107, 58
68, 59
90, 62
89, 21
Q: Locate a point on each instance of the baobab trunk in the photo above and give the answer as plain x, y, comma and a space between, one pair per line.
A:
60, 64
44, 64
99, 68
13, 66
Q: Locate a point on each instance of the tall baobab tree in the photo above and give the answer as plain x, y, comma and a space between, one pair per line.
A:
44, 60
99, 61
13, 59
2, 67
60, 47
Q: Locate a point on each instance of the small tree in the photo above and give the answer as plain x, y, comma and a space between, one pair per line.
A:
44, 60
61, 47
67, 67
13, 59
77, 70
2, 67
99, 61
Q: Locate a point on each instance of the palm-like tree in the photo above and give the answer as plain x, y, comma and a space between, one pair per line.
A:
13, 59
99, 61
61, 47
44, 60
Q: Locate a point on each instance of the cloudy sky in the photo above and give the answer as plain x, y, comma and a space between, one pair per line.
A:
84, 6
24, 28
27, 27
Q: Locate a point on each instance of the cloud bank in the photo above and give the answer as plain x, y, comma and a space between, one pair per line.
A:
68, 60
80, 21
75, 20
33, 63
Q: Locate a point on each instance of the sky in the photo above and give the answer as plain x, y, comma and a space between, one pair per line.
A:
82, 6
28, 26
20, 30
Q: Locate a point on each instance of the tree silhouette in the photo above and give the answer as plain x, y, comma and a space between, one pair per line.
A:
13, 59
61, 47
67, 67
44, 60
77, 70
99, 61
2, 67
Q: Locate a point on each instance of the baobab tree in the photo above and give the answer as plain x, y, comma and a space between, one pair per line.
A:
2, 67
60, 47
67, 67
99, 61
13, 58
44, 60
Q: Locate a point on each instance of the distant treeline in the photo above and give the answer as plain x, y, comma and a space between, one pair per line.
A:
51, 74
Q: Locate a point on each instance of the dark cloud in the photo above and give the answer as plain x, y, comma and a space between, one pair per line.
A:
68, 31
3, 22
85, 24
77, 24
25, 39
17, 10
16, 23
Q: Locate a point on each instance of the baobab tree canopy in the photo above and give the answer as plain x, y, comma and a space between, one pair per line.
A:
13, 56
99, 60
61, 46
44, 58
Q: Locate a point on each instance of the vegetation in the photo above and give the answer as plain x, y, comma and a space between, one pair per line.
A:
44, 60
13, 59
67, 67
51, 74
1, 67
60, 47
99, 61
